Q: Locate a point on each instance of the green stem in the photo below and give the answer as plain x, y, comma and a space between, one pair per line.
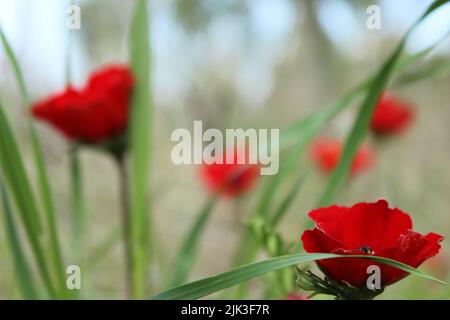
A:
78, 208
126, 222
77, 200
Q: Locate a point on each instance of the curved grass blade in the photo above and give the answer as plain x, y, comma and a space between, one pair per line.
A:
361, 126
140, 146
296, 130
321, 117
21, 269
309, 128
16, 68
201, 288
435, 68
14, 173
76, 179
187, 254
272, 223
286, 203
305, 130
43, 181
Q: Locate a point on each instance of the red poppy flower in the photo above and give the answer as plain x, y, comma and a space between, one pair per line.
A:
367, 228
391, 116
326, 153
94, 114
231, 179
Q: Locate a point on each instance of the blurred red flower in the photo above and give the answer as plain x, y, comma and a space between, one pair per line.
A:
231, 179
297, 296
94, 114
326, 153
369, 229
391, 116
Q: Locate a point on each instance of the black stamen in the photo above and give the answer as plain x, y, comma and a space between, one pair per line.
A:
366, 250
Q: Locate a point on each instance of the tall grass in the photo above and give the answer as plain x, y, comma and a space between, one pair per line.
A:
140, 130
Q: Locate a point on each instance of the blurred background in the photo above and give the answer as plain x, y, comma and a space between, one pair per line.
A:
232, 64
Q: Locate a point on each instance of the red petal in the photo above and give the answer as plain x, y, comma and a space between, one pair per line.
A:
388, 232
330, 220
231, 179
316, 241
113, 85
326, 153
351, 271
391, 116
412, 249
374, 225
364, 160
61, 111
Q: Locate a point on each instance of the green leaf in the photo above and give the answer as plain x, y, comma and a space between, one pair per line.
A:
201, 288
43, 181
16, 68
361, 126
140, 146
21, 269
14, 173
188, 251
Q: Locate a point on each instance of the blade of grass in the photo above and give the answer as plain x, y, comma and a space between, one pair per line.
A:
43, 181
76, 181
21, 269
294, 131
249, 246
201, 288
188, 251
286, 203
361, 126
310, 126
435, 68
77, 200
105, 247
360, 130
15, 175
79, 231
16, 68
307, 129
140, 145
